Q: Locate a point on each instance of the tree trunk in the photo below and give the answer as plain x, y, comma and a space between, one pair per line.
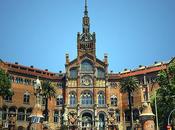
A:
130, 110
46, 110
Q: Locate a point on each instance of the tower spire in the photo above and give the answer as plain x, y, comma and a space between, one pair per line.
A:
86, 9
86, 24
86, 40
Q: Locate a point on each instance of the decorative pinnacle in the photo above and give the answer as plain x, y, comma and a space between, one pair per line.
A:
86, 10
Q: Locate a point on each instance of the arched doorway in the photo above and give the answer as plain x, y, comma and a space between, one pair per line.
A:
12, 110
101, 121
20, 128
87, 121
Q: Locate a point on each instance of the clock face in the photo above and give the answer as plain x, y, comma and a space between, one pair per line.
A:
86, 81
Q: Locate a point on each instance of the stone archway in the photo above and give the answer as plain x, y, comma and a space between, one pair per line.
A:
20, 128
87, 121
101, 124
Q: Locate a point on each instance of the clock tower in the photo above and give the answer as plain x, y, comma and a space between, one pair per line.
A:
86, 40
86, 82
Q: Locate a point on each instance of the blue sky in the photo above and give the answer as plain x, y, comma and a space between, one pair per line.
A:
132, 32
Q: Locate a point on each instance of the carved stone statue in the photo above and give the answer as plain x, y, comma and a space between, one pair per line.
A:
65, 115
36, 116
37, 86
111, 119
72, 118
12, 121
38, 90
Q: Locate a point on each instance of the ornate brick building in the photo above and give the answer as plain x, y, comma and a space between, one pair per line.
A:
88, 96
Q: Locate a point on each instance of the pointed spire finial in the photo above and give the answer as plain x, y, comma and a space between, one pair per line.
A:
85, 2
86, 10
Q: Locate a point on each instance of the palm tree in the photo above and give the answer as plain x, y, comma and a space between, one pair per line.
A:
48, 91
129, 85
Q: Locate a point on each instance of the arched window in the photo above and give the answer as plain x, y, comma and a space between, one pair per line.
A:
117, 113
27, 81
8, 98
72, 101
114, 100
11, 78
26, 98
101, 98
19, 80
59, 100
73, 73
86, 98
43, 101
100, 73
101, 121
28, 113
127, 115
56, 116
135, 114
87, 121
12, 110
4, 113
21, 114
86, 66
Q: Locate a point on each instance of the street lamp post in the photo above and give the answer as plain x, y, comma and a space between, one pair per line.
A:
157, 123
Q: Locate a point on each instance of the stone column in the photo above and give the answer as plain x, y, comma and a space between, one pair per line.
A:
37, 113
147, 116
25, 114
65, 116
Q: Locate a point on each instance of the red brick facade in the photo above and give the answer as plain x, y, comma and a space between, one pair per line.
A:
87, 94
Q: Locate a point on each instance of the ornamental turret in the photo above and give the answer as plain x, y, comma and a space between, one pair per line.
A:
86, 40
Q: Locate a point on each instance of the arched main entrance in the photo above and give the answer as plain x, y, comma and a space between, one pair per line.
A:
101, 121
87, 121
20, 128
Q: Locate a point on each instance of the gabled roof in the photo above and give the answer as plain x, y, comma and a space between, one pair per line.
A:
73, 61
87, 55
100, 62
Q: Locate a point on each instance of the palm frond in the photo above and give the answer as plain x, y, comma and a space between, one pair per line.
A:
128, 84
48, 89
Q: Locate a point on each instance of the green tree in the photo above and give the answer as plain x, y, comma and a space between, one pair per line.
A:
165, 94
129, 85
5, 84
48, 91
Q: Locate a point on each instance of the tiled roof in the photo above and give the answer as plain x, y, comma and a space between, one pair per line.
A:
141, 71
33, 71
58, 76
